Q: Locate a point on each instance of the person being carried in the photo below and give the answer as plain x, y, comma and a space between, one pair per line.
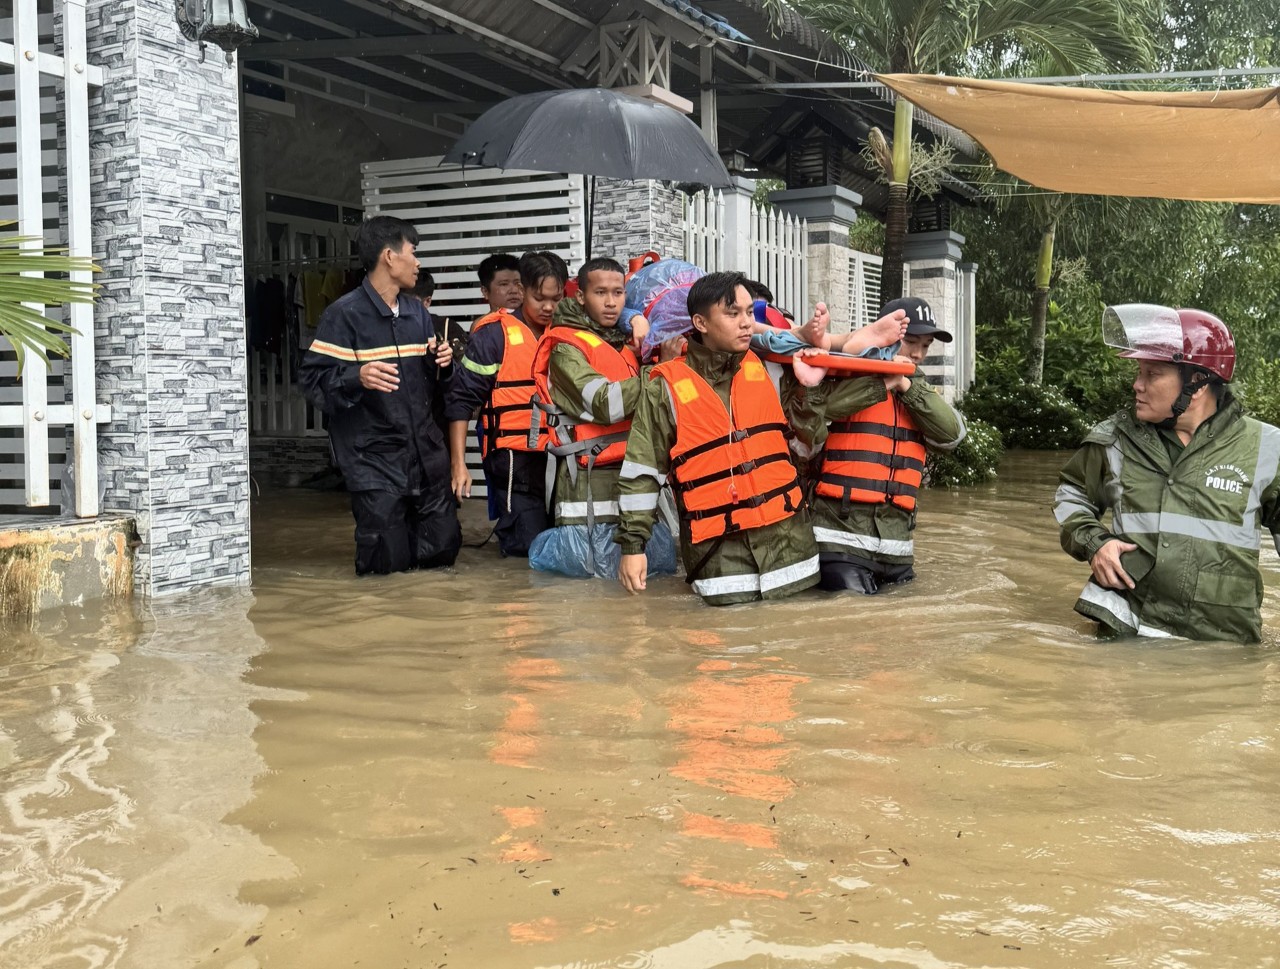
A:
867, 441
372, 368
495, 379
1189, 480
587, 370
711, 424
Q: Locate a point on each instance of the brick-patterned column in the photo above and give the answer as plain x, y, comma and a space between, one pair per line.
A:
831, 210
635, 217
934, 258
170, 333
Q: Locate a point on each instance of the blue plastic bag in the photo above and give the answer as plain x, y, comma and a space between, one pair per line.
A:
563, 550
660, 291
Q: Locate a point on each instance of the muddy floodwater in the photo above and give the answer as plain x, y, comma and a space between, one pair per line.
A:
491, 768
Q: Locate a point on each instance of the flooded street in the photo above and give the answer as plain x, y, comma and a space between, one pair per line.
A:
493, 768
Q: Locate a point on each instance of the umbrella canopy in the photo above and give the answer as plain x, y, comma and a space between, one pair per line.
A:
1210, 146
590, 131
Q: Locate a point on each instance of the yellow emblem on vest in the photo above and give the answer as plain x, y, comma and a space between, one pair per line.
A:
753, 370
514, 336
686, 390
590, 339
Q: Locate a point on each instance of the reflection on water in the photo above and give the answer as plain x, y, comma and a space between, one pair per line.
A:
125, 739
488, 767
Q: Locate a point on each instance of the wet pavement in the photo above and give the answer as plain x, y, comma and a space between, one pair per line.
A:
487, 767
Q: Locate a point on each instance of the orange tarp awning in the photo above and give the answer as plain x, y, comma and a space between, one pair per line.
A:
1204, 146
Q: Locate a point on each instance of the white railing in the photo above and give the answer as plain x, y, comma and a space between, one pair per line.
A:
51, 101
778, 241
774, 250
704, 231
864, 288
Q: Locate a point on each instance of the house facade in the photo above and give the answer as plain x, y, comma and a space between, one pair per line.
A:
192, 181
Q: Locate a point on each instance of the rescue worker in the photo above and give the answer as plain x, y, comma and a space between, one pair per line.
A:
1189, 480
868, 440
495, 378
500, 281
711, 424
372, 368
588, 370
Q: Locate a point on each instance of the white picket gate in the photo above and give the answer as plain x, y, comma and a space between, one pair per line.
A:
774, 252
44, 88
777, 244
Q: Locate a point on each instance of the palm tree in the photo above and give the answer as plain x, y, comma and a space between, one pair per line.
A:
928, 36
21, 320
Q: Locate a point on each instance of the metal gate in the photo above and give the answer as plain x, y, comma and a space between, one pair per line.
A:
44, 185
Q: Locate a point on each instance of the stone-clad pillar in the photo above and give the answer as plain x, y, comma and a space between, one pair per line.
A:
831, 210
632, 218
934, 259
170, 332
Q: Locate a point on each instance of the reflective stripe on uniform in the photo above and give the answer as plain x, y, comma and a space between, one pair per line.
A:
1204, 529
589, 390
483, 369
724, 585
617, 410
1069, 500
779, 578
578, 509
1264, 471
647, 502
1117, 606
631, 470
864, 543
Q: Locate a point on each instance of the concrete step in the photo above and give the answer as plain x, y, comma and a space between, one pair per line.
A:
47, 562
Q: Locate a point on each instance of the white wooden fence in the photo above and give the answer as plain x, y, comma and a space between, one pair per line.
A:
463, 215
774, 240
44, 87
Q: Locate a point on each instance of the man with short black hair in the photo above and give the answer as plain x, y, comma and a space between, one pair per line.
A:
711, 424
495, 380
500, 282
372, 368
868, 440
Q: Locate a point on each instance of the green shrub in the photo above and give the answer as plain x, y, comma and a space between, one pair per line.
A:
972, 462
1259, 390
1028, 415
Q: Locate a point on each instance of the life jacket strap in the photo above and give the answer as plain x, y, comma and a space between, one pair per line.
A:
736, 436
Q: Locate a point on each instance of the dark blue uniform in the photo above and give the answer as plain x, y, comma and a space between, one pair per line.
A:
390, 450
516, 479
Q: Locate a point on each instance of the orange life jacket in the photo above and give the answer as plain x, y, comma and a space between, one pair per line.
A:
508, 415
732, 467
875, 457
614, 365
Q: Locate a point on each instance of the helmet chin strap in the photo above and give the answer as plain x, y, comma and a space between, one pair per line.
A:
1183, 402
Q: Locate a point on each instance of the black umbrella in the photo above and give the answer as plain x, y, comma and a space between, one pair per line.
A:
590, 131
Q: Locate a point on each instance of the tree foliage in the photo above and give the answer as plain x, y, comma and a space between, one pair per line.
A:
22, 322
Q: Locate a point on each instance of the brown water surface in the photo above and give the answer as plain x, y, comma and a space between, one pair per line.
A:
486, 767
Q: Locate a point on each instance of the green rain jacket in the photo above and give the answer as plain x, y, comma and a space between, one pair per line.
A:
1195, 513
880, 532
577, 388
761, 563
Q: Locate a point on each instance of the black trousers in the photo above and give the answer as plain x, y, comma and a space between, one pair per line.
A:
853, 573
396, 533
519, 484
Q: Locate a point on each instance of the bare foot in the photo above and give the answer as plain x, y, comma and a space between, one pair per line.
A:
884, 332
807, 374
815, 331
